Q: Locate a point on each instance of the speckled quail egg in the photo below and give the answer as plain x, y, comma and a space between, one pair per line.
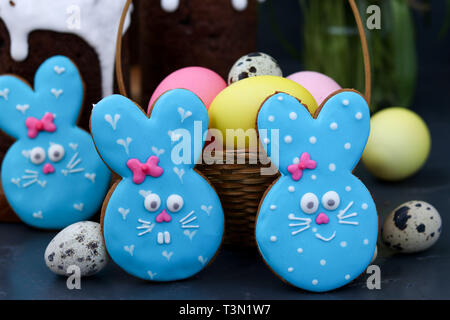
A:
79, 244
252, 65
412, 227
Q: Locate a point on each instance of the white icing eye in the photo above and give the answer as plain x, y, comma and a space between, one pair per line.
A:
309, 203
37, 155
170, 5
175, 203
152, 202
331, 200
56, 152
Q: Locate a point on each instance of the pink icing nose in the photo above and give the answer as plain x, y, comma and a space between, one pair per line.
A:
163, 217
48, 168
322, 218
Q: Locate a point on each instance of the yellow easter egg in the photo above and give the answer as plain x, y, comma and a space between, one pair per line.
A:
237, 106
398, 145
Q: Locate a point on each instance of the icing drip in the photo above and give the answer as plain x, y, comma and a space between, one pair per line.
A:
239, 5
68, 16
170, 5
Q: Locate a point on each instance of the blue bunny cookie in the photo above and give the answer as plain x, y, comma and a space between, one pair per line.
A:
51, 176
163, 221
317, 225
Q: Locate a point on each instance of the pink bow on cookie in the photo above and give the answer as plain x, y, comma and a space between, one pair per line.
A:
141, 170
35, 125
296, 170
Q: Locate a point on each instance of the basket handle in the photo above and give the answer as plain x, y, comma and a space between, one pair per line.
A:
365, 50
362, 36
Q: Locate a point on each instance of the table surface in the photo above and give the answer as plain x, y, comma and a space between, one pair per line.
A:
241, 274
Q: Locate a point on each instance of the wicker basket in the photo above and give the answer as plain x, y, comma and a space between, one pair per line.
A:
240, 187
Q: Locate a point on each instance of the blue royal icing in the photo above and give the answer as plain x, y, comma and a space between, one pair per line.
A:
51, 176
317, 226
163, 221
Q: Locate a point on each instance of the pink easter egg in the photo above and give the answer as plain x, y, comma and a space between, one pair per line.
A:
318, 84
205, 83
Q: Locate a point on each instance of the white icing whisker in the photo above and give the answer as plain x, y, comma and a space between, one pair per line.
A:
301, 230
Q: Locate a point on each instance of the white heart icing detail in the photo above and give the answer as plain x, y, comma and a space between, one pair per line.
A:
190, 234
124, 212
202, 260
167, 255
23, 108
129, 249
38, 215
56, 92
59, 70
90, 176
79, 206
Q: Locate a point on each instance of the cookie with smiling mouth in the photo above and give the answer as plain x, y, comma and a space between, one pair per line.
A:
317, 225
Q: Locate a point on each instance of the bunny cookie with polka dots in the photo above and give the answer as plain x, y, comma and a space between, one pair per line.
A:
163, 221
317, 225
51, 176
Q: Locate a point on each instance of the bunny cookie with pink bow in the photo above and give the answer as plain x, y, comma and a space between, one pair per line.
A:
51, 176
163, 221
317, 225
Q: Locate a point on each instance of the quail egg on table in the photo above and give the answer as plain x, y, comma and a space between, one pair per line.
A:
80, 244
412, 227
252, 65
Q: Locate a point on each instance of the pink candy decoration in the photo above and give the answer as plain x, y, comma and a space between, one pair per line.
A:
141, 170
322, 218
205, 83
35, 125
163, 217
296, 170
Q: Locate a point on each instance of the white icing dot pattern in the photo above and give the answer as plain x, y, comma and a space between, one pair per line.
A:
364, 206
348, 188
273, 238
315, 282
343, 244
345, 102
290, 269
347, 146
347, 277
293, 116
288, 139
291, 189
271, 118
323, 262
332, 167
300, 250
333, 126
366, 241
313, 140
358, 116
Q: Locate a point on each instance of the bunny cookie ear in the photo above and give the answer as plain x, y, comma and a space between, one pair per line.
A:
59, 88
335, 139
16, 99
133, 145
58, 95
